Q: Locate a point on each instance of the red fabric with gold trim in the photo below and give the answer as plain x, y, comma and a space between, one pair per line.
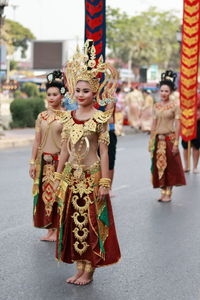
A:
189, 68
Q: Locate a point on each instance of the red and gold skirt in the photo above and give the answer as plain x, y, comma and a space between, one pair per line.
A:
45, 206
167, 168
86, 224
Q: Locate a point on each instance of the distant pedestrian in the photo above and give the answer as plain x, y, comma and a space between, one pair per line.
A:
134, 101
119, 112
146, 116
45, 155
167, 168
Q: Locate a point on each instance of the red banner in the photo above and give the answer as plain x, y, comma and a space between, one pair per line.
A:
95, 24
189, 68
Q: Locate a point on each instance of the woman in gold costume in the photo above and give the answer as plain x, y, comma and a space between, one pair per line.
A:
167, 170
44, 160
86, 233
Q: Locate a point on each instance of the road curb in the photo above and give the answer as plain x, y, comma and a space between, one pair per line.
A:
14, 143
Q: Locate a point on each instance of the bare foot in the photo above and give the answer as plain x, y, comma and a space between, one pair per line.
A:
46, 237
52, 237
166, 199
112, 195
75, 277
86, 278
162, 196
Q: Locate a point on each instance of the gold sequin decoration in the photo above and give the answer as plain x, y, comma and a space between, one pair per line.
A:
161, 160
48, 195
83, 248
83, 236
80, 223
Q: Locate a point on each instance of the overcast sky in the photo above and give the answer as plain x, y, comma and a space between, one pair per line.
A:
64, 19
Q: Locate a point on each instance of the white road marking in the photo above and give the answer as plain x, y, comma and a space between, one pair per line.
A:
121, 187
120, 149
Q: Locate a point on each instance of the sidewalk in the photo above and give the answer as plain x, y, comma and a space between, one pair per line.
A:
24, 137
17, 138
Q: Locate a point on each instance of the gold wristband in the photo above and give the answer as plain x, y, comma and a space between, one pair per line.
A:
57, 175
176, 143
105, 182
32, 162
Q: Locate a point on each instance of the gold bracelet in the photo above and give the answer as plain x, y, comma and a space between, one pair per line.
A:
57, 175
176, 143
104, 179
32, 162
105, 182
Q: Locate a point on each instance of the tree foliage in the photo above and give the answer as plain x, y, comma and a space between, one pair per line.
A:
25, 111
30, 89
145, 39
16, 37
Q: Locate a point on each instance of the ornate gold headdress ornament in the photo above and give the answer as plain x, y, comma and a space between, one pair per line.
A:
84, 67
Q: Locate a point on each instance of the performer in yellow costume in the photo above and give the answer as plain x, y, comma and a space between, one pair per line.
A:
45, 154
167, 170
86, 233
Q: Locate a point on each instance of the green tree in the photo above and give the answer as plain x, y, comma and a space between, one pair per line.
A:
16, 37
30, 89
25, 111
144, 39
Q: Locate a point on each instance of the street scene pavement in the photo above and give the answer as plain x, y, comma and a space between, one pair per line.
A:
160, 242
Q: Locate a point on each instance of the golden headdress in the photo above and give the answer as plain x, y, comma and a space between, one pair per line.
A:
84, 67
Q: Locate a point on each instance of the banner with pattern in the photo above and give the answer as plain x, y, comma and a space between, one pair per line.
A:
95, 24
189, 68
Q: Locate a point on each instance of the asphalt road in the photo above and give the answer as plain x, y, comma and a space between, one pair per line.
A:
160, 243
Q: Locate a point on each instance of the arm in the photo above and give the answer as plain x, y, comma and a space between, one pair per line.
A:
177, 134
152, 135
177, 130
103, 148
64, 156
103, 140
36, 144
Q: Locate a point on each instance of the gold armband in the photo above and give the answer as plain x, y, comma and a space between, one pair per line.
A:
32, 162
57, 175
105, 182
176, 143
104, 138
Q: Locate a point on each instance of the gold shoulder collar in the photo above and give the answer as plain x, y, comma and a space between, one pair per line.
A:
103, 117
63, 115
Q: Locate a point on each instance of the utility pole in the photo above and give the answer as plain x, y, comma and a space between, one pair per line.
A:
3, 4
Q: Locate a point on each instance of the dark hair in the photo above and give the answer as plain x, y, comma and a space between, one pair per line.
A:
168, 78
55, 79
118, 90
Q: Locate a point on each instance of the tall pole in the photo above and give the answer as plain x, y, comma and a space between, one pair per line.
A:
3, 4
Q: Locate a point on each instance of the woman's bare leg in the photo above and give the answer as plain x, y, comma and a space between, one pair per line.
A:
185, 156
168, 194
195, 154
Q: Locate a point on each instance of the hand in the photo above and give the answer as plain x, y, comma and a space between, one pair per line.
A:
103, 192
32, 171
150, 147
175, 149
56, 185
